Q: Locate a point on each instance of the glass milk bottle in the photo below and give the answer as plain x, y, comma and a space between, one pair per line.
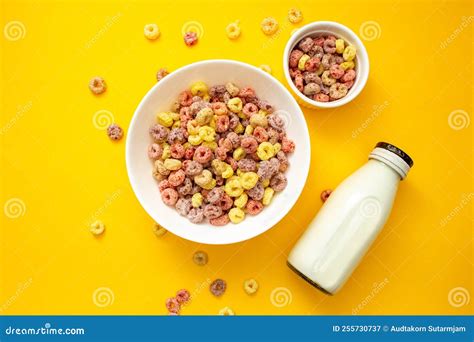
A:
347, 224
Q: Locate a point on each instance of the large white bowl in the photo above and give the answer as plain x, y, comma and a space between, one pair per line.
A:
340, 31
160, 98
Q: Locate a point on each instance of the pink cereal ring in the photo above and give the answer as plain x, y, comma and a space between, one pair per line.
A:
321, 97
232, 162
319, 41
176, 178
221, 153
249, 144
349, 84
336, 71
177, 151
203, 154
185, 98
225, 143
164, 184
295, 72
299, 82
215, 195
172, 305
222, 123
295, 56
169, 196
247, 92
155, 151
348, 76
287, 145
260, 134
254, 207
189, 153
312, 64
190, 38
226, 202
220, 221
219, 108
183, 296
250, 109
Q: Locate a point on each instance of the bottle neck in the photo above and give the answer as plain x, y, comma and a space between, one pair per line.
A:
391, 160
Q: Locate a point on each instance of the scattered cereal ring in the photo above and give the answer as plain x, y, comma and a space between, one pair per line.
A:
114, 132
161, 74
190, 38
159, 230
97, 85
97, 227
183, 296
269, 25
172, 305
226, 311
250, 286
325, 195
200, 258
233, 30
151, 31
218, 287
266, 68
295, 15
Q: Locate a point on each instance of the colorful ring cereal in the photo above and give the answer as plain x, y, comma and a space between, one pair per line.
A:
97, 85
233, 30
200, 258
322, 67
151, 31
250, 286
269, 26
218, 287
221, 151
295, 15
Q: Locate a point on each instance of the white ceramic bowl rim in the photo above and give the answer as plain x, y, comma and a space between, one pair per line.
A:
361, 57
266, 221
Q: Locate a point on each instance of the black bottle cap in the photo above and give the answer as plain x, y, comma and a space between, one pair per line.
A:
394, 149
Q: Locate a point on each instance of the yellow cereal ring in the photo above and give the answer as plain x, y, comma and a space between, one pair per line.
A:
174, 116
196, 200
249, 130
210, 185
199, 89
176, 124
241, 201
349, 53
219, 166
205, 177
172, 164
276, 147
259, 120
239, 153
151, 31
340, 45
262, 112
192, 127
164, 119
233, 188
236, 215
239, 128
347, 65
194, 139
228, 171
233, 30
265, 150
234, 104
97, 227
269, 25
320, 70
302, 62
211, 144
267, 196
204, 116
207, 133
265, 183
166, 151
248, 180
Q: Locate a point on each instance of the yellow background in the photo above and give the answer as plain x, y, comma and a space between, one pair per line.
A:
66, 172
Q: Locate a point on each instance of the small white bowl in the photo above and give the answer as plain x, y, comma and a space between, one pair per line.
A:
160, 98
340, 31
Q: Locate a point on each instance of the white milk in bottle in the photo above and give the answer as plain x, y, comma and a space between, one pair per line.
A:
347, 224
